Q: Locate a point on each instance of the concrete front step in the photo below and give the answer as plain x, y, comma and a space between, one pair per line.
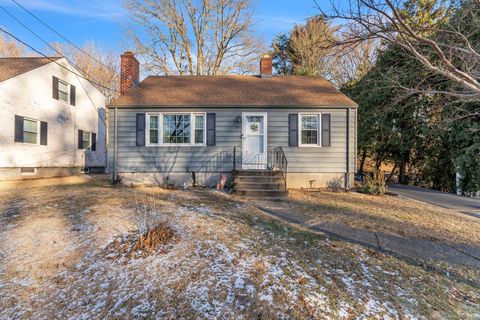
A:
259, 185
261, 193
258, 173
260, 179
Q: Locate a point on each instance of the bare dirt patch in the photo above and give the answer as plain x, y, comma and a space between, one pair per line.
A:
231, 261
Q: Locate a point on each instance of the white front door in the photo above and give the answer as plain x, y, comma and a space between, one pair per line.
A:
254, 140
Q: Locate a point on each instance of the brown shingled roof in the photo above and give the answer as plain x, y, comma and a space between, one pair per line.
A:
11, 67
233, 91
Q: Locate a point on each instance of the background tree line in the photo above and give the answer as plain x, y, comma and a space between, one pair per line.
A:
419, 104
413, 68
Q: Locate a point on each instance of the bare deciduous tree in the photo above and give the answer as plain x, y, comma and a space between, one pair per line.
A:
308, 50
194, 37
310, 46
443, 47
350, 63
105, 73
10, 48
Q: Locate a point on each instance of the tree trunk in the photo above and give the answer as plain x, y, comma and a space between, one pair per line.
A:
402, 177
391, 173
362, 162
378, 163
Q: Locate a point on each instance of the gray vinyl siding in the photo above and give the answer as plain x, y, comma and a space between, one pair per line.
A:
219, 158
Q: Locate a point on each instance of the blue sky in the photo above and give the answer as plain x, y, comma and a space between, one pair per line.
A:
103, 21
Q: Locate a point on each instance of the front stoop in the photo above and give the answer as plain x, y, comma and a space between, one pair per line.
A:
259, 184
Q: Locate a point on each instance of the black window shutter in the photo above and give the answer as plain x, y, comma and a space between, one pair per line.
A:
326, 130
94, 142
18, 128
43, 133
140, 129
211, 126
293, 130
80, 139
72, 95
55, 88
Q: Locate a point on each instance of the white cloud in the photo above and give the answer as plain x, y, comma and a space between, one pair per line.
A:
103, 9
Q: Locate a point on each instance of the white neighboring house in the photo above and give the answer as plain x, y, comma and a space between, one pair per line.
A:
52, 122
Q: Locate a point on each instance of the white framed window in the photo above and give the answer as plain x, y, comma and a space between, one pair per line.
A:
31, 130
199, 129
153, 129
63, 91
86, 139
177, 129
309, 125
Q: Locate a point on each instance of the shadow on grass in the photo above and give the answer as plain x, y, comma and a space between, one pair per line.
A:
287, 227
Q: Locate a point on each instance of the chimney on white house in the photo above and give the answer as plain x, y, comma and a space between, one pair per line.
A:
129, 71
266, 66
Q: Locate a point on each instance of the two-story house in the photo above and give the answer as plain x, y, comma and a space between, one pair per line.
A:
52, 120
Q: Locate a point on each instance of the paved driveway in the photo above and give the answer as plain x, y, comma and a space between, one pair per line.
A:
447, 200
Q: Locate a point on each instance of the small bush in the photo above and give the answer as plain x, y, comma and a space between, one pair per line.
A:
153, 234
335, 185
137, 244
155, 237
373, 185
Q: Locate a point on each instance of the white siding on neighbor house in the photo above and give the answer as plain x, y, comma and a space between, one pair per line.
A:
143, 159
30, 95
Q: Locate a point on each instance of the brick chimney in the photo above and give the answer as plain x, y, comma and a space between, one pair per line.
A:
129, 71
266, 66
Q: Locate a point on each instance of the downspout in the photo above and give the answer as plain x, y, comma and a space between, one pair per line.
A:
115, 170
355, 155
347, 177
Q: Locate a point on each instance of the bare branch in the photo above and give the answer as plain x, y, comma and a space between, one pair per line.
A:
457, 60
194, 37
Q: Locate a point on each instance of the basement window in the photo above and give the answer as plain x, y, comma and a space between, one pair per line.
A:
28, 171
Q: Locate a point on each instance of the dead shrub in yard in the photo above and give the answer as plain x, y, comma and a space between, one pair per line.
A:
137, 244
335, 185
153, 234
157, 236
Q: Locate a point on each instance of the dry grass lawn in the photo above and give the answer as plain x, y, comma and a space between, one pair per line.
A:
229, 260
387, 214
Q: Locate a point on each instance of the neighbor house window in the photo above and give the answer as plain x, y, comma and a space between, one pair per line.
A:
62, 90
30, 131
28, 171
309, 130
86, 141
176, 129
